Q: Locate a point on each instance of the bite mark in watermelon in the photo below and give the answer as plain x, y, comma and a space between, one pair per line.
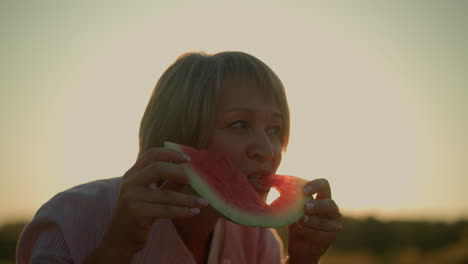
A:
227, 190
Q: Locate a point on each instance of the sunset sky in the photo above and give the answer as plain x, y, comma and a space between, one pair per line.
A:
377, 90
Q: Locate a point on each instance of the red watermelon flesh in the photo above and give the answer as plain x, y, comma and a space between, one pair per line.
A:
229, 191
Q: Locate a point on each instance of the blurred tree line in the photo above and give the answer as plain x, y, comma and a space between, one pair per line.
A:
9, 234
381, 237
371, 239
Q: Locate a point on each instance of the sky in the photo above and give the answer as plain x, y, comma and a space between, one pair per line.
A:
377, 92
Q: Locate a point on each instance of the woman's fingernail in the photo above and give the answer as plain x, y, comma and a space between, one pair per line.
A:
309, 207
194, 211
308, 190
185, 156
202, 201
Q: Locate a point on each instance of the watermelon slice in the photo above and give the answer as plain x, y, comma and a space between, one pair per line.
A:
227, 190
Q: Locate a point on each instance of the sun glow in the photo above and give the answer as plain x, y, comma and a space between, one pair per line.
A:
378, 111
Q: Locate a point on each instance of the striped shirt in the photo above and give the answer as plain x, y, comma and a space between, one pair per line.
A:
71, 225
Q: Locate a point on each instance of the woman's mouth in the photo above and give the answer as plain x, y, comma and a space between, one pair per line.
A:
260, 187
260, 181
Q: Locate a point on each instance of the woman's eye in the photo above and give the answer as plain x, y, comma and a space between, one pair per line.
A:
238, 124
275, 130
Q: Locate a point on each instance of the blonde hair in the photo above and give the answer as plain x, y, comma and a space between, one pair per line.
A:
184, 103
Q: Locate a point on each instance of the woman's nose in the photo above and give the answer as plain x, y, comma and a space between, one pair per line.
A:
260, 147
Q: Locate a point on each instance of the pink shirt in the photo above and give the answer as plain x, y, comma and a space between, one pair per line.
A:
70, 226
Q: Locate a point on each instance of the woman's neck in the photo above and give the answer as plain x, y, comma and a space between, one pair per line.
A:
197, 232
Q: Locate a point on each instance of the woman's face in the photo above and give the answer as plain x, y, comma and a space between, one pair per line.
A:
248, 128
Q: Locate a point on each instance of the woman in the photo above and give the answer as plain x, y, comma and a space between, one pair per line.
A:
229, 102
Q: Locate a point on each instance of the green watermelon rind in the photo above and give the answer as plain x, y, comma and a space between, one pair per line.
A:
281, 218
285, 217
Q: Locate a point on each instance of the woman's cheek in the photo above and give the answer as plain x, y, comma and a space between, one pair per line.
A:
278, 149
227, 143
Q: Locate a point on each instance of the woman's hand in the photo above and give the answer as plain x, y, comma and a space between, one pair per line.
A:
140, 203
310, 238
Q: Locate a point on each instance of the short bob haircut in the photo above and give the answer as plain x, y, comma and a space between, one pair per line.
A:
184, 103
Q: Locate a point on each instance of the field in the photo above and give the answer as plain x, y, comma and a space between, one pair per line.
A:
363, 241
370, 241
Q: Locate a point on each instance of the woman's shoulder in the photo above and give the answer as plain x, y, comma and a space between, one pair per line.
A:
94, 200
77, 218
89, 197
98, 187
103, 189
